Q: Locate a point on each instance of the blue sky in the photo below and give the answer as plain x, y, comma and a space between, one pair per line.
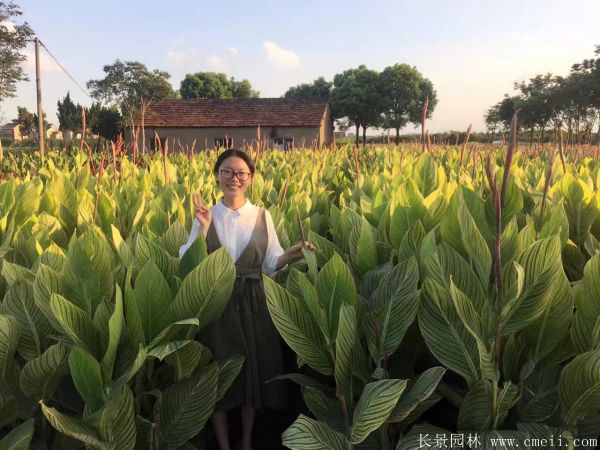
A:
472, 51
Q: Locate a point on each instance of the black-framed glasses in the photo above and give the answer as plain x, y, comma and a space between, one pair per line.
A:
228, 174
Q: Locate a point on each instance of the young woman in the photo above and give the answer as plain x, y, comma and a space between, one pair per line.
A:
245, 327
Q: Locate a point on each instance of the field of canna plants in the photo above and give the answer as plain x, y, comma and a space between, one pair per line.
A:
455, 290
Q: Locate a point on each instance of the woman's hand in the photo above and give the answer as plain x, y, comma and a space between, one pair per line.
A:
201, 212
295, 251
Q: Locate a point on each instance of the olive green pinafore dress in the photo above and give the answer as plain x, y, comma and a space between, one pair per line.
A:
246, 329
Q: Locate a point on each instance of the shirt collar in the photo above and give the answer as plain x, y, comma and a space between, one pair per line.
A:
235, 212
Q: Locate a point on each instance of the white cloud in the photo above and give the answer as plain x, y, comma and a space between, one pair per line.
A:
222, 63
281, 56
47, 64
182, 58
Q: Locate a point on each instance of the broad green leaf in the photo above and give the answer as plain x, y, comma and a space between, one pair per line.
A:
153, 300
76, 324
75, 428
186, 406
205, 292
374, 407
344, 348
579, 387
445, 335
297, 327
87, 377
308, 434
19, 437
417, 393
335, 286
40, 376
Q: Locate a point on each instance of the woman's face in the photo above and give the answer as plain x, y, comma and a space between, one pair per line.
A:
234, 186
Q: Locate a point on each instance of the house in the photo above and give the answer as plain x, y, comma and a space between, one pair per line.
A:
281, 122
12, 131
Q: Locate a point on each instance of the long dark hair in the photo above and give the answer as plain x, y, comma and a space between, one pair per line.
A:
234, 152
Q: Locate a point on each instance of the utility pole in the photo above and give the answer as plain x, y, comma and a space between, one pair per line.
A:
38, 84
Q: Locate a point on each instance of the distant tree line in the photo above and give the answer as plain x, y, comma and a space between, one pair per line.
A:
358, 97
548, 103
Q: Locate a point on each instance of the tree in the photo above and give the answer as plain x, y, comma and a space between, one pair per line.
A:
129, 85
25, 120
69, 115
13, 38
356, 95
105, 121
427, 91
215, 85
243, 89
400, 86
535, 103
318, 88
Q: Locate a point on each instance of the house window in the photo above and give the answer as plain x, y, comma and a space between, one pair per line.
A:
283, 143
223, 142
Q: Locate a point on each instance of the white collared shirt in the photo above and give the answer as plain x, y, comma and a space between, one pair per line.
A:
234, 229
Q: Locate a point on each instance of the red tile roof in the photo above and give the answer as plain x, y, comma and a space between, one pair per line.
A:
282, 112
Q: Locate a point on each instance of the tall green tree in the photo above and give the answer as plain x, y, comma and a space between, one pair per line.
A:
69, 115
104, 121
357, 96
400, 86
13, 38
426, 91
215, 85
130, 85
243, 89
26, 121
318, 88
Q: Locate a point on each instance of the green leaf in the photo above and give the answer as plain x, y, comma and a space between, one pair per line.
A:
297, 327
335, 286
186, 406
344, 348
19, 302
9, 338
228, 372
40, 376
188, 357
324, 408
153, 300
474, 323
88, 274
587, 306
417, 393
87, 377
75, 428
445, 335
19, 437
76, 324
116, 420
363, 246
395, 307
579, 387
205, 292
115, 328
192, 257
308, 434
374, 407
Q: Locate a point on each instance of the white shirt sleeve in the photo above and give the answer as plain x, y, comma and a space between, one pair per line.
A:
194, 232
274, 250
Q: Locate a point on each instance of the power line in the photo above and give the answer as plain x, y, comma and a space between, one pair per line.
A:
65, 71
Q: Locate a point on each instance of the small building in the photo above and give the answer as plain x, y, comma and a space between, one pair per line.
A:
12, 131
281, 122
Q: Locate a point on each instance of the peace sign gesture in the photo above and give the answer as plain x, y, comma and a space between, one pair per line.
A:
201, 212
